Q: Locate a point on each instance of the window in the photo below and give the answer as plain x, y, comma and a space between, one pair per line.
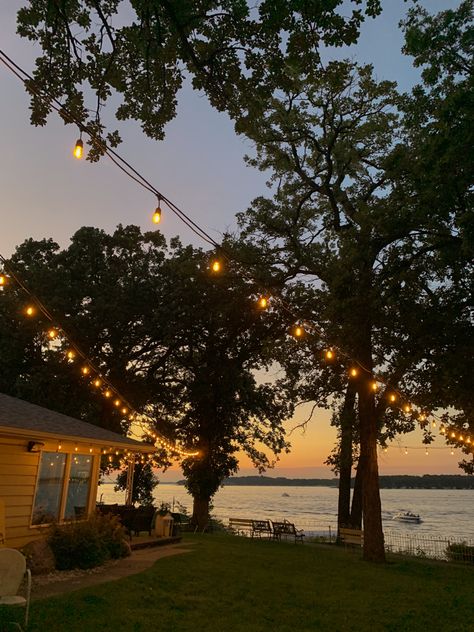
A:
78, 486
63, 486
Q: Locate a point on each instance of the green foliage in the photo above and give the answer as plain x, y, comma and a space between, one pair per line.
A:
142, 51
88, 543
460, 552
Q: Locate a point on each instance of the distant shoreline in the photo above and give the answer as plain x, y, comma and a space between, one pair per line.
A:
407, 481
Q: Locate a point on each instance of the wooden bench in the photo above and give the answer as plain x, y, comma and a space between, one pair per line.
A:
351, 537
287, 529
262, 528
241, 526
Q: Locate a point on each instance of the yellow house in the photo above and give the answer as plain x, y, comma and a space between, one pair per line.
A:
49, 467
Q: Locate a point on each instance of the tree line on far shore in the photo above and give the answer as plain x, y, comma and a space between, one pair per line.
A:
403, 481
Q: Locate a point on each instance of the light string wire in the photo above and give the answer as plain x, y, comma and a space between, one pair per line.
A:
135, 175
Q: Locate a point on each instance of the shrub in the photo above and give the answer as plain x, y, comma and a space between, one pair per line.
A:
460, 552
88, 543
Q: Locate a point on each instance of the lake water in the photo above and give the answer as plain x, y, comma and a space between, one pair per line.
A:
447, 514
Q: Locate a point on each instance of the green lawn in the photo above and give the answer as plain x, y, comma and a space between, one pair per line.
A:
236, 584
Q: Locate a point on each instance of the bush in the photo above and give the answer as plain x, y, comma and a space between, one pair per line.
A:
460, 552
88, 543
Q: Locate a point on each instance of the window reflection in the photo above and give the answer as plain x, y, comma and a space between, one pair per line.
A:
49, 488
78, 486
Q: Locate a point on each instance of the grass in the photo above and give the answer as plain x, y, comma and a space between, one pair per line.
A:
231, 584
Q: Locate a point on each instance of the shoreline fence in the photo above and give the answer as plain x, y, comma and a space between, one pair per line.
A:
412, 544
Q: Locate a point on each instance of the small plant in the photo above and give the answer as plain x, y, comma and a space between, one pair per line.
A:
89, 543
460, 552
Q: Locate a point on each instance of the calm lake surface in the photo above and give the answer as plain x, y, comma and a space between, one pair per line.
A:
445, 513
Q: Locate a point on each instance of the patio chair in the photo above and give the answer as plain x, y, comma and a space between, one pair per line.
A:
12, 571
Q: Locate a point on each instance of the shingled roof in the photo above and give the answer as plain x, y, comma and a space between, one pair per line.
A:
16, 414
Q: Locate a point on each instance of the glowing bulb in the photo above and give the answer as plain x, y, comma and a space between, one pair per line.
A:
90, 450
108, 393
453, 434
124, 411
157, 215
426, 452
3, 280
52, 333
452, 451
216, 266
406, 451
353, 372
298, 331
85, 370
76, 448
97, 382
59, 446
468, 440
263, 302
71, 354
30, 310
78, 149
393, 397
374, 386
329, 354
433, 423
407, 408
117, 402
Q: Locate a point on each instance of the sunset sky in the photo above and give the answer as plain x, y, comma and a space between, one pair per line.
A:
45, 192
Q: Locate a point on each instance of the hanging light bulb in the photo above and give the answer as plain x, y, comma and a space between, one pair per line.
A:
298, 331
108, 393
392, 397
52, 333
117, 402
30, 310
78, 150
124, 410
329, 354
374, 386
97, 383
407, 408
71, 354
426, 452
216, 265
452, 452
263, 302
406, 450
157, 214
3, 280
85, 370
353, 372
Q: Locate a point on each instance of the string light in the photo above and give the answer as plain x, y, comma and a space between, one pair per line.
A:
157, 214
407, 408
30, 310
216, 265
3, 280
78, 150
52, 333
392, 397
263, 302
353, 372
329, 354
374, 386
71, 355
107, 393
85, 370
97, 383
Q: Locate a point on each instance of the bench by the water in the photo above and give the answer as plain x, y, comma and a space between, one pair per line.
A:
352, 537
247, 526
287, 529
258, 528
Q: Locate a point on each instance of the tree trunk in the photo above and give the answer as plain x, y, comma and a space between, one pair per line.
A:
200, 517
356, 508
374, 550
345, 459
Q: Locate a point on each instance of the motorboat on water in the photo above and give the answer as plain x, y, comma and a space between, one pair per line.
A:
407, 516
